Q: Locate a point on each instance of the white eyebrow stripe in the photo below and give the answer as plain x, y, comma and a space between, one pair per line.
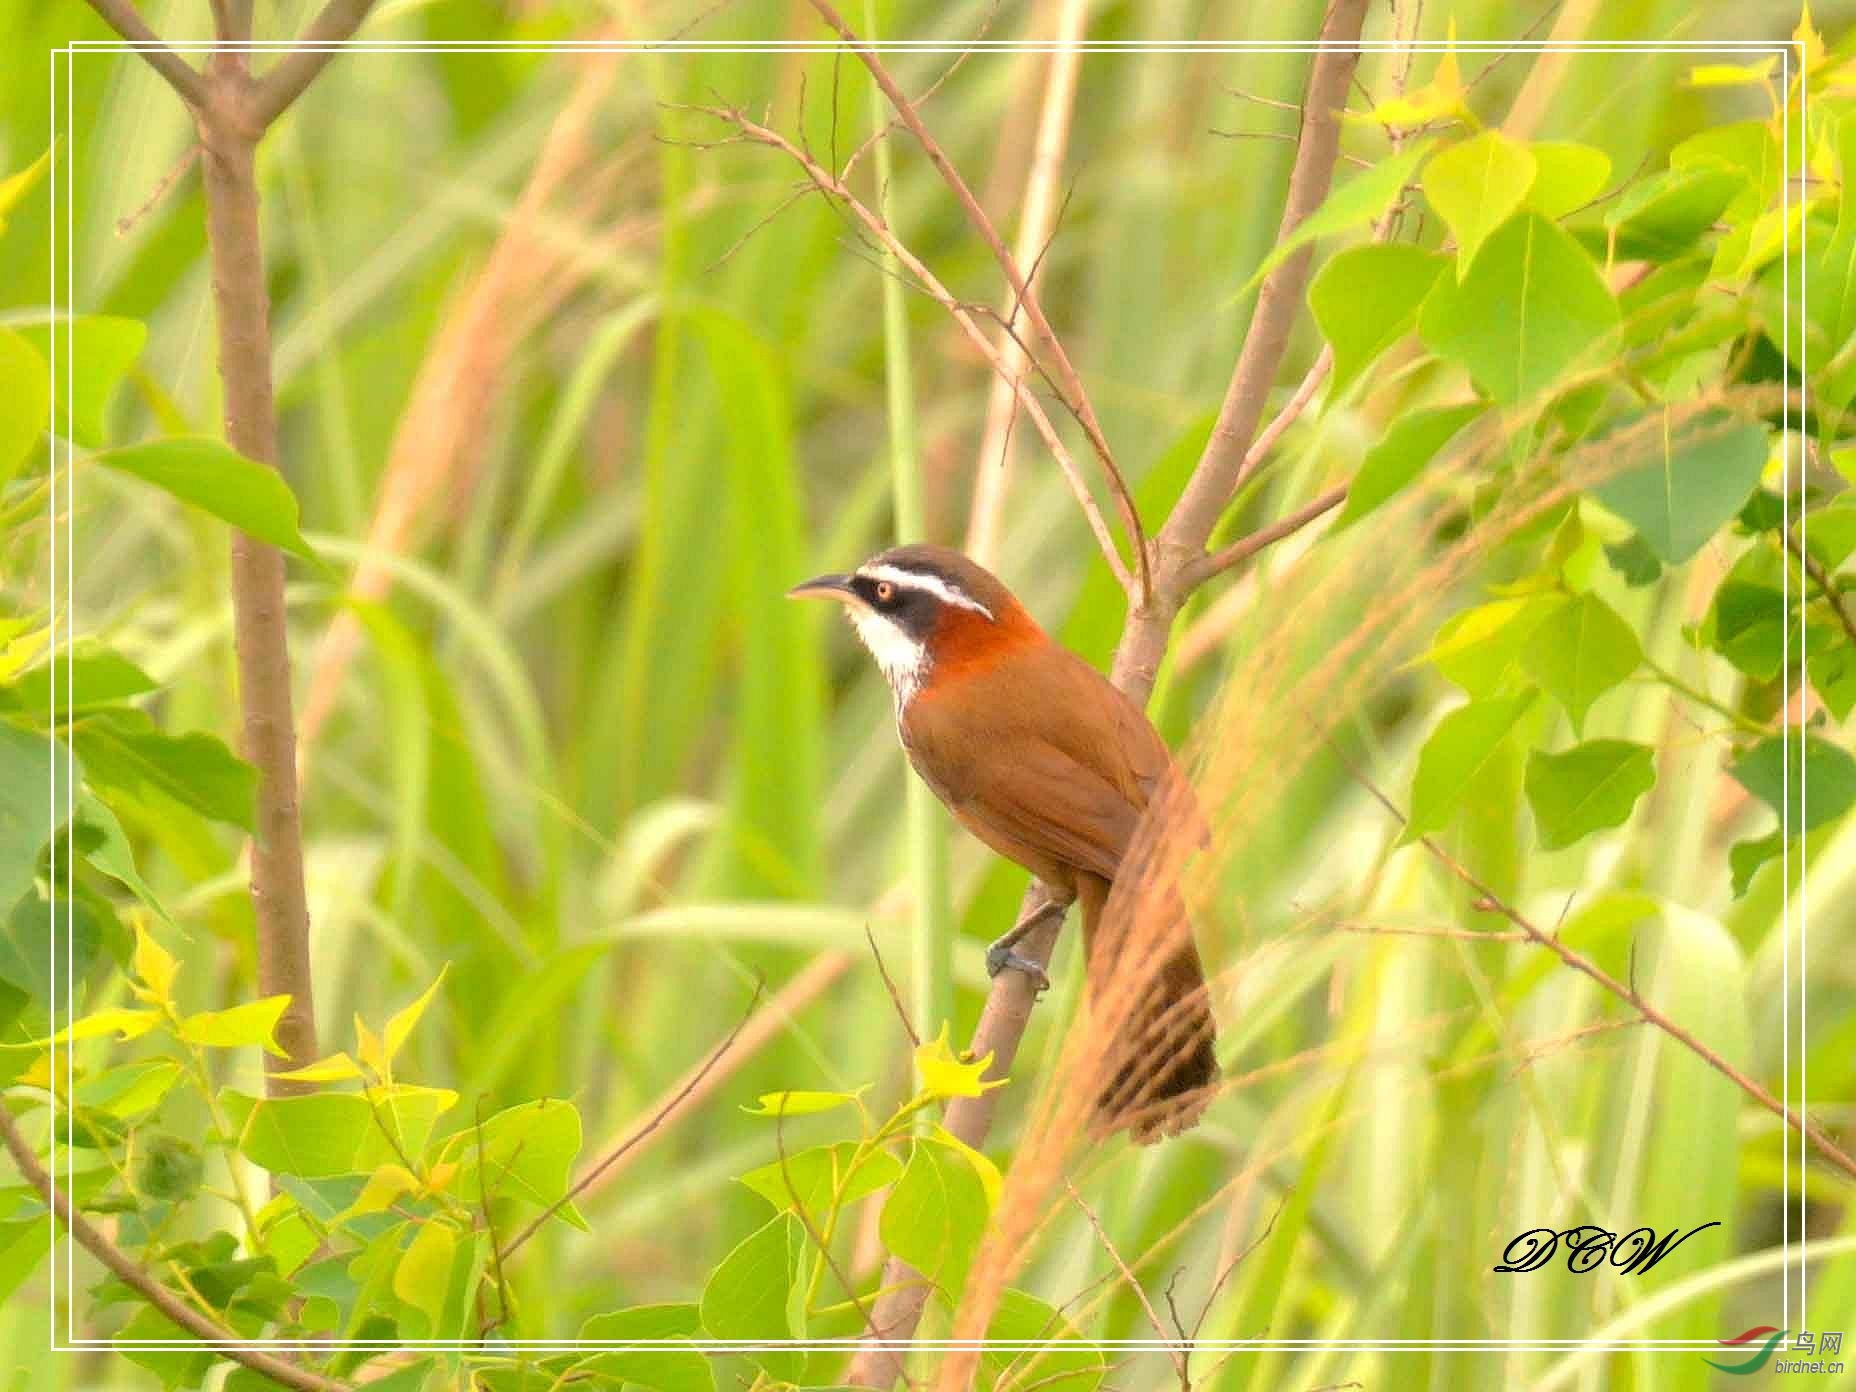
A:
933, 584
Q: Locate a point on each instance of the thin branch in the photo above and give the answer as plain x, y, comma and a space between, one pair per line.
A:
835, 189
176, 71
1173, 1349
895, 996
1489, 901
1259, 451
1221, 466
1204, 568
222, 1340
637, 1134
1825, 581
1073, 388
320, 42
127, 223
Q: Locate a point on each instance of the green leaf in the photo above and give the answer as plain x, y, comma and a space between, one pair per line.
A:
1745, 858
1401, 455
213, 477
936, 1214
1566, 177
336, 1133
677, 1368
89, 675
123, 752
1818, 776
1586, 789
1634, 561
1475, 185
671, 1321
1060, 1360
799, 1103
1464, 743
27, 810
1579, 652
1354, 203
749, 1296
1830, 534
527, 1153
1481, 649
25, 402
1532, 305
422, 1277
1666, 214
1831, 666
1753, 618
1366, 298
108, 850
103, 349
1691, 488
820, 1173
240, 1027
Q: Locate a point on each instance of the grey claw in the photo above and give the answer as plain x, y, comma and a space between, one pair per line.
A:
999, 959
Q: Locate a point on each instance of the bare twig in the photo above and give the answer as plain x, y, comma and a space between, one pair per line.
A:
1174, 1351
1037, 217
1073, 390
964, 315
1491, 902
176, 71
215, 1336
895, 996
636, 1135
320, 42
127, 223
1239, 551
1222, 465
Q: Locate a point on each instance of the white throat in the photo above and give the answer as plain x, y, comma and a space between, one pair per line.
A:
903, 660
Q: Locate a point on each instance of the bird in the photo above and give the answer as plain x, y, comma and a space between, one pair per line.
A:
1052, 766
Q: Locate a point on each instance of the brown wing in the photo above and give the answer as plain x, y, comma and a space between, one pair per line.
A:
1042, 759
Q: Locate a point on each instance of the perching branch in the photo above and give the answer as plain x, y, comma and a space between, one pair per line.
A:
178, 73
1202, 568
318, 43
222, 1340
1179, 549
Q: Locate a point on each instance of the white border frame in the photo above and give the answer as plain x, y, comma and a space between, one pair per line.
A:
59, 318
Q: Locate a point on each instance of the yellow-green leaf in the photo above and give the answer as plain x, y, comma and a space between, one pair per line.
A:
15, 187
336, 1068
1474, 186
945, 1074
240, 1027
154, 968
799, 1103
401, 1025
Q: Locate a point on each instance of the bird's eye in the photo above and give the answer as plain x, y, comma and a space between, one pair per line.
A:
884, 592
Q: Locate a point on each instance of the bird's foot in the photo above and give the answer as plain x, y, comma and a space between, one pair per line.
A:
1000, 957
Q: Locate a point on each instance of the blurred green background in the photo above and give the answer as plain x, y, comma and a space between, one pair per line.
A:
550, 375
